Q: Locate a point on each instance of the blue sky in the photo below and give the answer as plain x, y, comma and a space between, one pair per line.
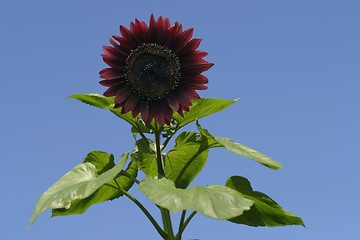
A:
294, 64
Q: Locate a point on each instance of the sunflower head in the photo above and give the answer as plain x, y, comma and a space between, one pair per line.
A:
154, 70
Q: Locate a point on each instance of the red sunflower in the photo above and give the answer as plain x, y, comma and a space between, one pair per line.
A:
154, 70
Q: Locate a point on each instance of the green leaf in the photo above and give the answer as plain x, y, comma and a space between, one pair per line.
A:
78, 183
189, 150
218, 202
265, 211
145, 157
108, 191
102, 161
202, 108
239, 149
100, 101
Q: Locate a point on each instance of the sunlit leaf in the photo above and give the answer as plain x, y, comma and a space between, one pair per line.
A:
265, 211
240, 149
100, 101
78, 183
202, 108
218, 202
108, 191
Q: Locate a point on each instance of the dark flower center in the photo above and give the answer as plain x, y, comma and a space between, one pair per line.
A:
152, 70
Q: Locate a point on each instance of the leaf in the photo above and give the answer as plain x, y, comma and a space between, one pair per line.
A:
145, 158
102, 161
218, 202
189, 149
100, 101
108, 191
78, 183
265, 211
202, 108
239, 149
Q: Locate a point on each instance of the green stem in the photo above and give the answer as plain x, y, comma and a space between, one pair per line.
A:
142, 135
178, 235
181, 225
161, 171
144, 210
166, 141
165, 214
126, 174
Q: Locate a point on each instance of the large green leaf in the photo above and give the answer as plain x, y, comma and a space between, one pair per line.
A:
108, 191
265, 211
78, 183
239, 149
218, 202
189, 152
101, 101
202, 108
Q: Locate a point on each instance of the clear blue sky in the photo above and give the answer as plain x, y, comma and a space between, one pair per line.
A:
294, 64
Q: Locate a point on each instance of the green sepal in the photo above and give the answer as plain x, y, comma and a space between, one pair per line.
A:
265, 211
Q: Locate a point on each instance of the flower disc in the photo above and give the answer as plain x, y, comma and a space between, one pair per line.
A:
154, 70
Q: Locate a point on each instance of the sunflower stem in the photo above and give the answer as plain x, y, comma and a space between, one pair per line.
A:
159, 161
165, 214
184, 225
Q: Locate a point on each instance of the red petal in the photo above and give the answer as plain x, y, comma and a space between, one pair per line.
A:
193, 56
182, 40
145, 112
183, 100
191, 93
131, 102
113, 62
137, 109
172, 34
198, 68
111, 83
190, 47
158, 112
120, 50
140, 31
122, 94
185, 64
194, 85
152, 34
111, 73
195, 78
111, 91
168, 113
163, 27
124, 43
172, 102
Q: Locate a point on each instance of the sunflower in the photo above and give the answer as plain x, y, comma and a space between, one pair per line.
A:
154, 70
